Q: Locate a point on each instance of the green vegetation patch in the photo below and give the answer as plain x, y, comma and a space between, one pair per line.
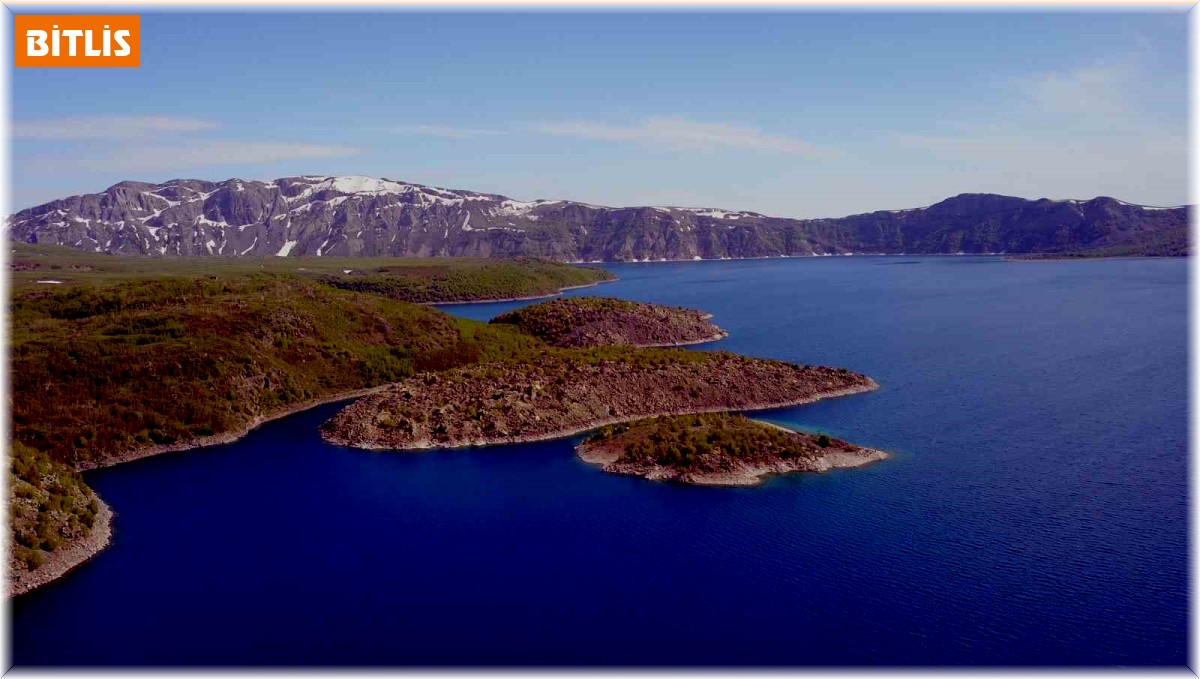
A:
50, 506
99, 371
503, 279
704, 442
423, 280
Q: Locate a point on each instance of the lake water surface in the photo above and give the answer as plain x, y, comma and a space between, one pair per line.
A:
1034, 512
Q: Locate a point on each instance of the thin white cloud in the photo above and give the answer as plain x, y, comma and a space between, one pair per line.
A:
446, 131
178, 157
1088, 91
679, 133
108, 127
1074, 133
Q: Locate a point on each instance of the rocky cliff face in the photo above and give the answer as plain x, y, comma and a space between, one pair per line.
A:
362, 216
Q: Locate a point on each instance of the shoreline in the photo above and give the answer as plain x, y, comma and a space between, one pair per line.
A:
548, 295
229, 436
756, 476
666, 345
808, 256
1049, 258
62, 561
426, 445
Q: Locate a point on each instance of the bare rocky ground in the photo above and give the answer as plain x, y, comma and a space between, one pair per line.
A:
561, 393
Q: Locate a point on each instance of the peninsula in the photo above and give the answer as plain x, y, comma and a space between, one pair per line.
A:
716, 449
117, 358
606, 321
56, 521
563, 392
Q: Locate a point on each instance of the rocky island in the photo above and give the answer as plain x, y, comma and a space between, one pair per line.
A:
564, 392
606, 321
716, 449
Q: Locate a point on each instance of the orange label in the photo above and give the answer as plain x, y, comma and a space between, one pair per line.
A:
74, 40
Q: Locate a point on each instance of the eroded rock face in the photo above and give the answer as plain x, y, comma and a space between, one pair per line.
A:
606, 321
716, 449
564, 392
363, 216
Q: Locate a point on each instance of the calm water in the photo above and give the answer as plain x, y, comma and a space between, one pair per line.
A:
1035, 511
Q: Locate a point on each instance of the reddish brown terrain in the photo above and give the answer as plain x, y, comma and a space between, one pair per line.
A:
605, 321
560, 393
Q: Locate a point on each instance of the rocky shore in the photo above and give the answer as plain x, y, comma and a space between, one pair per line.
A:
561, 393
716, 450
65, 558
224, 437
606, 321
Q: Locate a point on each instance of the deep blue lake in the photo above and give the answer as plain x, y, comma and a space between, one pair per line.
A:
1034, 512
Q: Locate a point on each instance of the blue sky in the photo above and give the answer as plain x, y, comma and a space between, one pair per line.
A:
793, 114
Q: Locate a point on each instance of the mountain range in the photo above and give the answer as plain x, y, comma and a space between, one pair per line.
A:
363, 216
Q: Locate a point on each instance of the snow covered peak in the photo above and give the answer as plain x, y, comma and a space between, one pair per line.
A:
1150, 207
713, 212
356, 184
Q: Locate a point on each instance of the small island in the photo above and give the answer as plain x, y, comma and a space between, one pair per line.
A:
716, 449
605, 321
565, 392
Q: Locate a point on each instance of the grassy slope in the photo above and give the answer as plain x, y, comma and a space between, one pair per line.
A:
688, 442
481, 281
100, 371
49, 503
430, 280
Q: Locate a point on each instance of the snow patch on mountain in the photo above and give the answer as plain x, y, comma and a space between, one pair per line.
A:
357, 184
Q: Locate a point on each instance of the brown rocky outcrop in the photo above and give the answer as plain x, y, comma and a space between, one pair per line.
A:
560, 393
606, 321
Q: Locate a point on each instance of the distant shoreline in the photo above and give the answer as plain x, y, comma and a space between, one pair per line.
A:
1004, 256
772, 257
522, 299
1068, 258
